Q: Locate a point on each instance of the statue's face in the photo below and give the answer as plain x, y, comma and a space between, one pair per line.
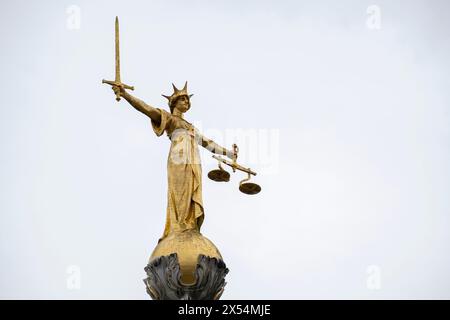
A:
182, 104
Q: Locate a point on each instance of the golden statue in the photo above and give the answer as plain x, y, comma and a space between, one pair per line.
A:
185, 212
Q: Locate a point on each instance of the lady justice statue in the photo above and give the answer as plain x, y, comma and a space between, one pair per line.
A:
184, 264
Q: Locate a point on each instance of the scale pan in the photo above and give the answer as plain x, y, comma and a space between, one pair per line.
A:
219, 175
250, 188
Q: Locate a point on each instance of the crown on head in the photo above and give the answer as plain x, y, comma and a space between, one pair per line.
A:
177, 93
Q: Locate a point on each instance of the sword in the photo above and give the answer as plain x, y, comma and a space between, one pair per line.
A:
117, 81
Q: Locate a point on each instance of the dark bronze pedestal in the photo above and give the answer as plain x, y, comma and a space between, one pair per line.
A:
164, 279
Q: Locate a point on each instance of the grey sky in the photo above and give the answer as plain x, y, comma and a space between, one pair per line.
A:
359, 176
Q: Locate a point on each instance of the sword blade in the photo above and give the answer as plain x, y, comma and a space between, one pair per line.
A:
117, 52
117, 82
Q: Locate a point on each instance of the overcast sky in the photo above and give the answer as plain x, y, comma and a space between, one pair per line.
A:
342, 107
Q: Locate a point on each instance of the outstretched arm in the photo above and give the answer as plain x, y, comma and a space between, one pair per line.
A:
214, 147
140, 105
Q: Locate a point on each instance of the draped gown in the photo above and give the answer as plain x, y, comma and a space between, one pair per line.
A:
184, 173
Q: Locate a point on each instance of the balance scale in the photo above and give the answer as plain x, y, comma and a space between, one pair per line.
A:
221, 175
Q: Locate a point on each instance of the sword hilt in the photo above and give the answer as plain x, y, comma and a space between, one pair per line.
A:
118, 84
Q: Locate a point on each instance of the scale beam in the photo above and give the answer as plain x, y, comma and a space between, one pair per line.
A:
234, 165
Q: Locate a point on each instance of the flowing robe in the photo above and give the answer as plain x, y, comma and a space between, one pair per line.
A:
184, 173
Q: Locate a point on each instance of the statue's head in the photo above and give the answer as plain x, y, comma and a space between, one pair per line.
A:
180, 99
182, 103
